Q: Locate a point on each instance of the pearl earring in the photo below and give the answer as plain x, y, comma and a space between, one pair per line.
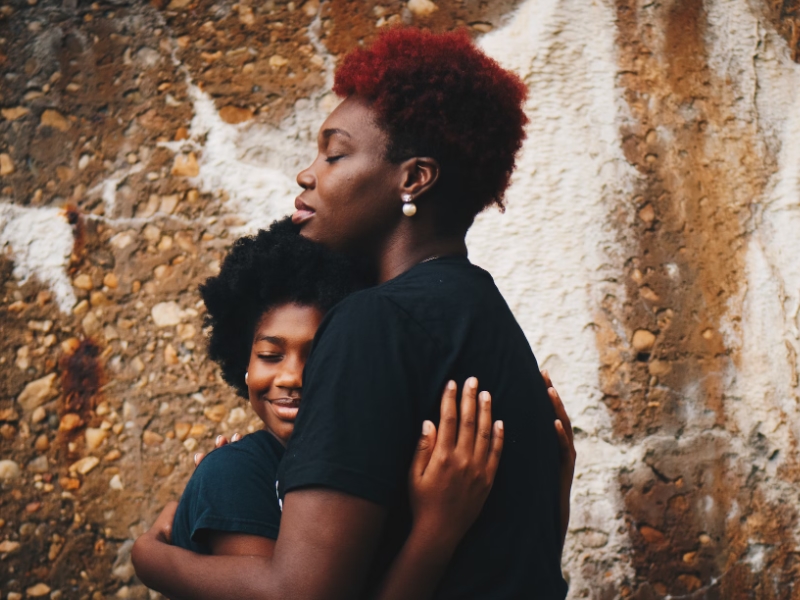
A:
246, 373
409, 208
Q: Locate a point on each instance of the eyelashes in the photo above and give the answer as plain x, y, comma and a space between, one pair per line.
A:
270, 357
333, 159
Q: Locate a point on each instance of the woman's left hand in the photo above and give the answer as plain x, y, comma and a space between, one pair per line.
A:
453, 469
566, 440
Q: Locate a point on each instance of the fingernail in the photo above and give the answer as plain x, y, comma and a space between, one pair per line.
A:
451, 385
472, 382
484, 397
500, 426
196, 454
545, 373
217, 441
427, 427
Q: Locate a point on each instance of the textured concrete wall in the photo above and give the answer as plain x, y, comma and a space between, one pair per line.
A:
649, 250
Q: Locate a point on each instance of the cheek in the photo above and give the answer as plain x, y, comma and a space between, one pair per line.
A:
358, 199
259, 376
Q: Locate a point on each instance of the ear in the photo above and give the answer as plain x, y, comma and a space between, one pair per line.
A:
419, 175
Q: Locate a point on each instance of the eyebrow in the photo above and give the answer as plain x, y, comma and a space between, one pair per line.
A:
327, 133
272, 339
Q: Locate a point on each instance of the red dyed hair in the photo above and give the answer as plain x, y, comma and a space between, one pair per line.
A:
438, 95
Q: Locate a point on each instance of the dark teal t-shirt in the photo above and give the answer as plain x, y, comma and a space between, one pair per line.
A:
232, 490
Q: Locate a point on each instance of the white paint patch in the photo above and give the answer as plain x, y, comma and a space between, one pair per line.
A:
254, 164
39, 241
552, 252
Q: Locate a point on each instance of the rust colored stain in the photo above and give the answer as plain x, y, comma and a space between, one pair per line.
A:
785, 16
694, 513
74, 218
82, 377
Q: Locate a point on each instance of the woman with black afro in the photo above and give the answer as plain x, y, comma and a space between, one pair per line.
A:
424, 139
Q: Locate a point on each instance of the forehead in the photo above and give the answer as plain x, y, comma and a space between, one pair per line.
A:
356, 118
290, 321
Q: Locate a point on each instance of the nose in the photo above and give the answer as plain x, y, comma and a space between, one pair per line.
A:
306, 179
290, 375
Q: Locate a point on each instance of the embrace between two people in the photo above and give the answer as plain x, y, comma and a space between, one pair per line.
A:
372, 273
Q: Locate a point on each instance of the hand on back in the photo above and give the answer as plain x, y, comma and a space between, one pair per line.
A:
454, 468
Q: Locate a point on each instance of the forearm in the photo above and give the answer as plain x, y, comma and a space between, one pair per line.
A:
418, 568
183, 575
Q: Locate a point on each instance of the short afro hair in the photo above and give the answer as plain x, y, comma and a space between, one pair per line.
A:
274, 267
438, 95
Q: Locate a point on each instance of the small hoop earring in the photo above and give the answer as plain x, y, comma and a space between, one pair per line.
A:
409, 208
246, 373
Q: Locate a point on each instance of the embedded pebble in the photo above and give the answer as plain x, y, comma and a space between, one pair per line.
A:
276, 61
36, 392
166, 314
215, 413
69, 422
83, 282
39, 415
115, 483
6, 165
236, 416
182, 430
151, 438
95, 437
85, 465
422, 8
170, 355
8, 470
643, 340
38, 590
54, 119
113, 455
185, 165
38, 465
12, 114
42, 443
8, 547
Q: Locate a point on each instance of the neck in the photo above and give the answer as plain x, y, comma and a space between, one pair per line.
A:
408, 246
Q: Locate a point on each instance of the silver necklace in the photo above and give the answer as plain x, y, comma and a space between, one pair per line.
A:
430, 258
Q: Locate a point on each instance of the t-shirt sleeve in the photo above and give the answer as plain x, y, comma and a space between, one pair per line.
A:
233, 492
359, 419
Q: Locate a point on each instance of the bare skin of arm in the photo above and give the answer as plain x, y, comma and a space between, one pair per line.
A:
327, 540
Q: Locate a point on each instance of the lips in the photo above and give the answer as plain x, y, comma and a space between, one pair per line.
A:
302, 213
285, 408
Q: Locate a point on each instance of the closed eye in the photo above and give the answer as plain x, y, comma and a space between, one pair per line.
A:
333, 159
272, 358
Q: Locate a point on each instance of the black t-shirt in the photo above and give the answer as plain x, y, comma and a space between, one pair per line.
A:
232, 490
379, 364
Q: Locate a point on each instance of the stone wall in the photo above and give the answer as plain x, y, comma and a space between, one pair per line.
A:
649, 250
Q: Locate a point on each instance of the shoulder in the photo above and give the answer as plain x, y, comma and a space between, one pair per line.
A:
363, 310
253, 455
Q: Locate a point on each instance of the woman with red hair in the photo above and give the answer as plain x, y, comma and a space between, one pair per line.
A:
424, 140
